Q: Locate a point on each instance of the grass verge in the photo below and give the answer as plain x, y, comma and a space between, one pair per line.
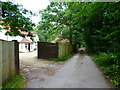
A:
63, 58
15, 81
110, 65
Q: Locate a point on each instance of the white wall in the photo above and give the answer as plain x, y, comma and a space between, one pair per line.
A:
2, 35
24, 49
19, 39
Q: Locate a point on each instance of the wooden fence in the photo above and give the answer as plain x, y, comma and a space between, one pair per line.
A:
64, 49
51, 50
9, 59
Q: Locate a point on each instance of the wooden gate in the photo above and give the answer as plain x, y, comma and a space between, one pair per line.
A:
47, 50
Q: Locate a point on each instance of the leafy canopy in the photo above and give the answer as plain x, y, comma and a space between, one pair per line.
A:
13, 18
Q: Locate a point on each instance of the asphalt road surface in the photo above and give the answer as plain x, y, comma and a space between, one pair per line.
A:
77, 72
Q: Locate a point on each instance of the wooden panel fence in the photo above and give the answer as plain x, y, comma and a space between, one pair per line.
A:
64, 49
47, 50
51, 50
9, 59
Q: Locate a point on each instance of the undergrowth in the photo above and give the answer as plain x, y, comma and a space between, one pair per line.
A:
110, 64
15, 81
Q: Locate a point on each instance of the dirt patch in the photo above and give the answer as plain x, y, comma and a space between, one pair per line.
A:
60, 63
50, 71
41, 79
37, 70
81, 62
34, 78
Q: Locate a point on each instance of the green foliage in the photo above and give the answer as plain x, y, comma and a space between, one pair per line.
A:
63, 58
57, 20
13, 18
15, 81
110, 64
93, 25
102, 28
99, 25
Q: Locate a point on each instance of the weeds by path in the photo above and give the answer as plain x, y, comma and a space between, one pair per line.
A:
63, 58
15, 81
109, 63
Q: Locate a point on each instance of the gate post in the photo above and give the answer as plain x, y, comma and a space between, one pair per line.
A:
16, 48
57, 50
38, 45
0, 64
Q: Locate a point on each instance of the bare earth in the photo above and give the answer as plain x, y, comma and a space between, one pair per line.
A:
77, 72
37, 71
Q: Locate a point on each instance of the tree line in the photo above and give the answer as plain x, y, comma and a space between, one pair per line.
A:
95, 26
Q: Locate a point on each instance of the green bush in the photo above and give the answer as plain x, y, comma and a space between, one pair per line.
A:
110, 64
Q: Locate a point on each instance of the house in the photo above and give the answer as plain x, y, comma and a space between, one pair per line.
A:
57, 39
25, 44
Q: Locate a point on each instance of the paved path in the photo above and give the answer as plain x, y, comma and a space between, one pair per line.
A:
78, 73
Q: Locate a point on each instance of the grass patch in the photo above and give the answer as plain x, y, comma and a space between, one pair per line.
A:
21, 52
82, 55
15, 81
110, 64
63, 58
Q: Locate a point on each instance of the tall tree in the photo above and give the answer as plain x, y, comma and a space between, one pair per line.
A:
13, 18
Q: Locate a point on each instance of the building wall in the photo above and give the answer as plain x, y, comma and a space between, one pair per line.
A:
2, 35
19, 39
24, 47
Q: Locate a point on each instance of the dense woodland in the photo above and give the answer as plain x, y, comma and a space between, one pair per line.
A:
95, 26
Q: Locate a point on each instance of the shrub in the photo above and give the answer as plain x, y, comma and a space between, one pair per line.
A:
110, 64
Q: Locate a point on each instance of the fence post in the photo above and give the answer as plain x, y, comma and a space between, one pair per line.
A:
38, 49
57, 50
16, 48
0, 64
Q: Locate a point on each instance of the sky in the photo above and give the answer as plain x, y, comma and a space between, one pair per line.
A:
33, 5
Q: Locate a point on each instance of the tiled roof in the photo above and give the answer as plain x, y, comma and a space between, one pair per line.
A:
22, 32
62, 40
25, 40
65, 40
